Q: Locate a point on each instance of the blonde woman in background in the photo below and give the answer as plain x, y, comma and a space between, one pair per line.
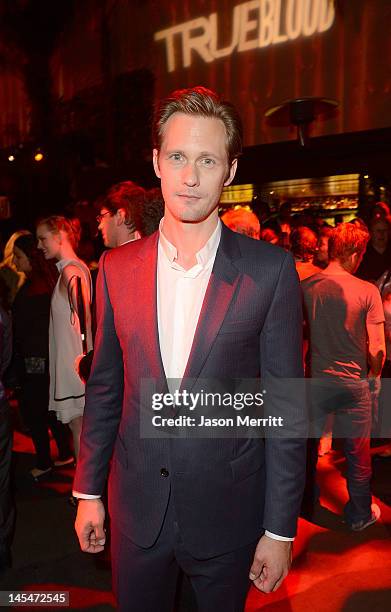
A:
12, 277
58, 238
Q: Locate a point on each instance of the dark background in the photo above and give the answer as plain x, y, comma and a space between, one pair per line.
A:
79, 80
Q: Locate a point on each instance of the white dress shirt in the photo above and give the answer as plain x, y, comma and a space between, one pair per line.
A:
180, 295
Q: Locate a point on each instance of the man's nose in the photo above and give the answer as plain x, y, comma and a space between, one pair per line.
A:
190, 175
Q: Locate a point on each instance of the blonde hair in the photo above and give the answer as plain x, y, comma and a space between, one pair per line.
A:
57, 223
9, 247
346, 239
242, 221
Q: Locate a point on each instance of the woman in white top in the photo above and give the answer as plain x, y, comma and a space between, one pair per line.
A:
58, 238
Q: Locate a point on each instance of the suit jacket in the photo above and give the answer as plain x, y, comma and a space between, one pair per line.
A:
225, 491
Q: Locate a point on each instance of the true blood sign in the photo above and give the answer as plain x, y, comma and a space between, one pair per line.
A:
255, 25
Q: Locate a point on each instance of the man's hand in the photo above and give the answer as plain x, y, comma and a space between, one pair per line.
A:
89, 525
271, 563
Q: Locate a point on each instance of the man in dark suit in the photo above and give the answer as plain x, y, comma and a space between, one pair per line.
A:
192, 302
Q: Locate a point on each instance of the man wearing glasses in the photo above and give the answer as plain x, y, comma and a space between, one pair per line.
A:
121, 213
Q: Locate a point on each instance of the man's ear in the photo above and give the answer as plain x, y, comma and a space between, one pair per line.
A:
354, 261
232, 172
120, 216
156, 162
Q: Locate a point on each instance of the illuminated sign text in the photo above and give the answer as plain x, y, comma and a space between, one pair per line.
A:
255, 24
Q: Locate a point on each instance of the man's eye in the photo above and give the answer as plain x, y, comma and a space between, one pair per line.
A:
176, 157
207, 161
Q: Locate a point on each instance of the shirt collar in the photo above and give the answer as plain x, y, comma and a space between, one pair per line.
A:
127, 241
203, 256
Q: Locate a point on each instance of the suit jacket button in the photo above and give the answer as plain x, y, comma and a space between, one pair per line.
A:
164, 472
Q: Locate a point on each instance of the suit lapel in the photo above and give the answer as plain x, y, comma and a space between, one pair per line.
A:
220, 291
147, 281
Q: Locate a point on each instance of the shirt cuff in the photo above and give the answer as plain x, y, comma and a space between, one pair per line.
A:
274, 536
84, 495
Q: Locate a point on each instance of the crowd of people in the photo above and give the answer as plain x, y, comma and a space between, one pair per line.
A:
345, 276
47, 323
